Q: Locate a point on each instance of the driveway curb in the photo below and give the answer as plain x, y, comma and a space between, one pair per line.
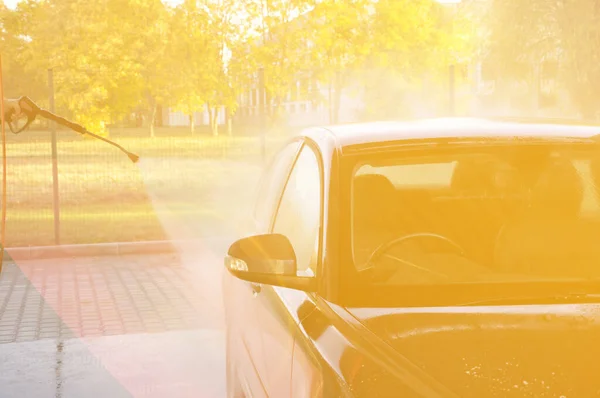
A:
106, 249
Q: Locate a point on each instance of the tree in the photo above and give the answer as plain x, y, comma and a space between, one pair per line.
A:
95, 50
20, 78
338, 45
241, 71
412, 43
193, 49
16, 80
225, 29
279, 46
579, 53
526, 36
147, 31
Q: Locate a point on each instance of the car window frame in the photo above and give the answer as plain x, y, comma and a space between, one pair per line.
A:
279, 186
307, 143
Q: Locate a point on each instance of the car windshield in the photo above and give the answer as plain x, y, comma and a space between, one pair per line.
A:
493, 214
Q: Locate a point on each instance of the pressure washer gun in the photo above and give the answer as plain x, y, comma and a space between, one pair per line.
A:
31, 110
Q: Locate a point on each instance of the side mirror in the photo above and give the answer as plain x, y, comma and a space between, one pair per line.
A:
266, 259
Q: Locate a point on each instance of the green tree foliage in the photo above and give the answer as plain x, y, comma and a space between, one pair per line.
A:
98, 51
225, 29
16, 79
114, 57
149, 34
195, 51
412, 44
526, 37
279, 46
339, 44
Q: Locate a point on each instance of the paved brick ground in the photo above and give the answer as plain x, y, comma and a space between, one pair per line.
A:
89, 297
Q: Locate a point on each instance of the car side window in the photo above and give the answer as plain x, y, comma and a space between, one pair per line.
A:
299, 214
271, 185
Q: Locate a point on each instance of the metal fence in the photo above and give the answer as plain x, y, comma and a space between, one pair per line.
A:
98, 195
63, 188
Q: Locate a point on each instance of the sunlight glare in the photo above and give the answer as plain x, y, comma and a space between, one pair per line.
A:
12, 4
173, 3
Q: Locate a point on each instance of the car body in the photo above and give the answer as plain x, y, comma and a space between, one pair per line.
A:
315, 332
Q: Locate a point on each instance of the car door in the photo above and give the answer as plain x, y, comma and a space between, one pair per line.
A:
253, 361
298, 217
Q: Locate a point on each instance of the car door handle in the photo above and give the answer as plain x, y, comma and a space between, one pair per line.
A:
256, 288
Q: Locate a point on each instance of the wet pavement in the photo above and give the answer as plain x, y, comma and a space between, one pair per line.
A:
142, 326
124, 326
172, 364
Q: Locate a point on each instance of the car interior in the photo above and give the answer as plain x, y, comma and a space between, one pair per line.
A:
514, 215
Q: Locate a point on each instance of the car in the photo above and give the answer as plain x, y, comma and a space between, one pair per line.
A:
451, 257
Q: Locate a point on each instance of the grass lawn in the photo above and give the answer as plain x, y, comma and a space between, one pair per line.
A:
36, 227
106, 198
37, 143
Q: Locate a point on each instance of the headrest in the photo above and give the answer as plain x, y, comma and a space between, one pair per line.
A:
559, 189
473, 175
374, 199
372, 185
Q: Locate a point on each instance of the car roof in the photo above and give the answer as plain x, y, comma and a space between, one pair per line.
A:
346, 135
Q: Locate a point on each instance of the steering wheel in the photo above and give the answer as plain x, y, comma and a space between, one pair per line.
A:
389, 244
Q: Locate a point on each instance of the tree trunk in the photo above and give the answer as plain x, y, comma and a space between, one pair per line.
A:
210, 116
153, 120
274, 112
268, 105
192, 123
215, 121
338, 97
228, 118
330, 101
